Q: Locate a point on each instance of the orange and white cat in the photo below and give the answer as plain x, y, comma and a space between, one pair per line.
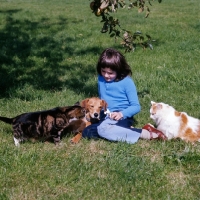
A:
175, 124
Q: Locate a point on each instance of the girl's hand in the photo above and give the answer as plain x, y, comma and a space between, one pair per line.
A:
116, 115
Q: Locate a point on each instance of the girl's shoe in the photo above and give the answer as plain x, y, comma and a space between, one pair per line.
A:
152, 130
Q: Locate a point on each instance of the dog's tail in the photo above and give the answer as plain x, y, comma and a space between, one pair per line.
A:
6, 120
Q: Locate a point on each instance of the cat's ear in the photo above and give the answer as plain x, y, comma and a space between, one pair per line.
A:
152, 102
159, 106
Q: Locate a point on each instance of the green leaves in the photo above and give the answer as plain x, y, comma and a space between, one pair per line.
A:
111, 25
130, 41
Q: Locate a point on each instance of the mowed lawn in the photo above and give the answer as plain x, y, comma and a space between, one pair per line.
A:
48, 55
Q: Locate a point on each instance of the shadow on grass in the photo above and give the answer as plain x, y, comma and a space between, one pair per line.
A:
30, 56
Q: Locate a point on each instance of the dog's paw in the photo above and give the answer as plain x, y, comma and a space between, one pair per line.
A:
76, 138
72, 141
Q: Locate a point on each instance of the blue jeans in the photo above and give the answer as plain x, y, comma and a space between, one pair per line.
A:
113, 130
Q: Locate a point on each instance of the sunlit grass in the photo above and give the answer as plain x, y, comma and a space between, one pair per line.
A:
48, 55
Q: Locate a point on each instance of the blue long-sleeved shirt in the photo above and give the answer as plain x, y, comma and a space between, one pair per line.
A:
120, 96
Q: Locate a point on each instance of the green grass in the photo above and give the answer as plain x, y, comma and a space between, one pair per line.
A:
49, 50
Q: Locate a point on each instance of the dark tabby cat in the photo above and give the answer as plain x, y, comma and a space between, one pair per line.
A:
45, 125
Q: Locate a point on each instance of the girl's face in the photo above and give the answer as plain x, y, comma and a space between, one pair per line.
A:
108, 74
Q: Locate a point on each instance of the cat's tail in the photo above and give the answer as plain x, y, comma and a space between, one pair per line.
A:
6, 120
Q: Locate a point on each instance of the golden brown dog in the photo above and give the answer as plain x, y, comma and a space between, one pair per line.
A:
93, 107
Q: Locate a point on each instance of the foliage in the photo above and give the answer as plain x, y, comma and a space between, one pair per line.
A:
112, 25
49, 50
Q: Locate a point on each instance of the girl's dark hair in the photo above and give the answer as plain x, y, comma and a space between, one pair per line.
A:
111, 58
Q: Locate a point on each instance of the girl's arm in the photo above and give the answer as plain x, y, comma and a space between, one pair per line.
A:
132, 96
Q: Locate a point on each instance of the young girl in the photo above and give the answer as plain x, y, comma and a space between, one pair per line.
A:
116, 87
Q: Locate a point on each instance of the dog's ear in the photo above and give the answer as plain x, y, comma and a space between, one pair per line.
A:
105, 105
83, 103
